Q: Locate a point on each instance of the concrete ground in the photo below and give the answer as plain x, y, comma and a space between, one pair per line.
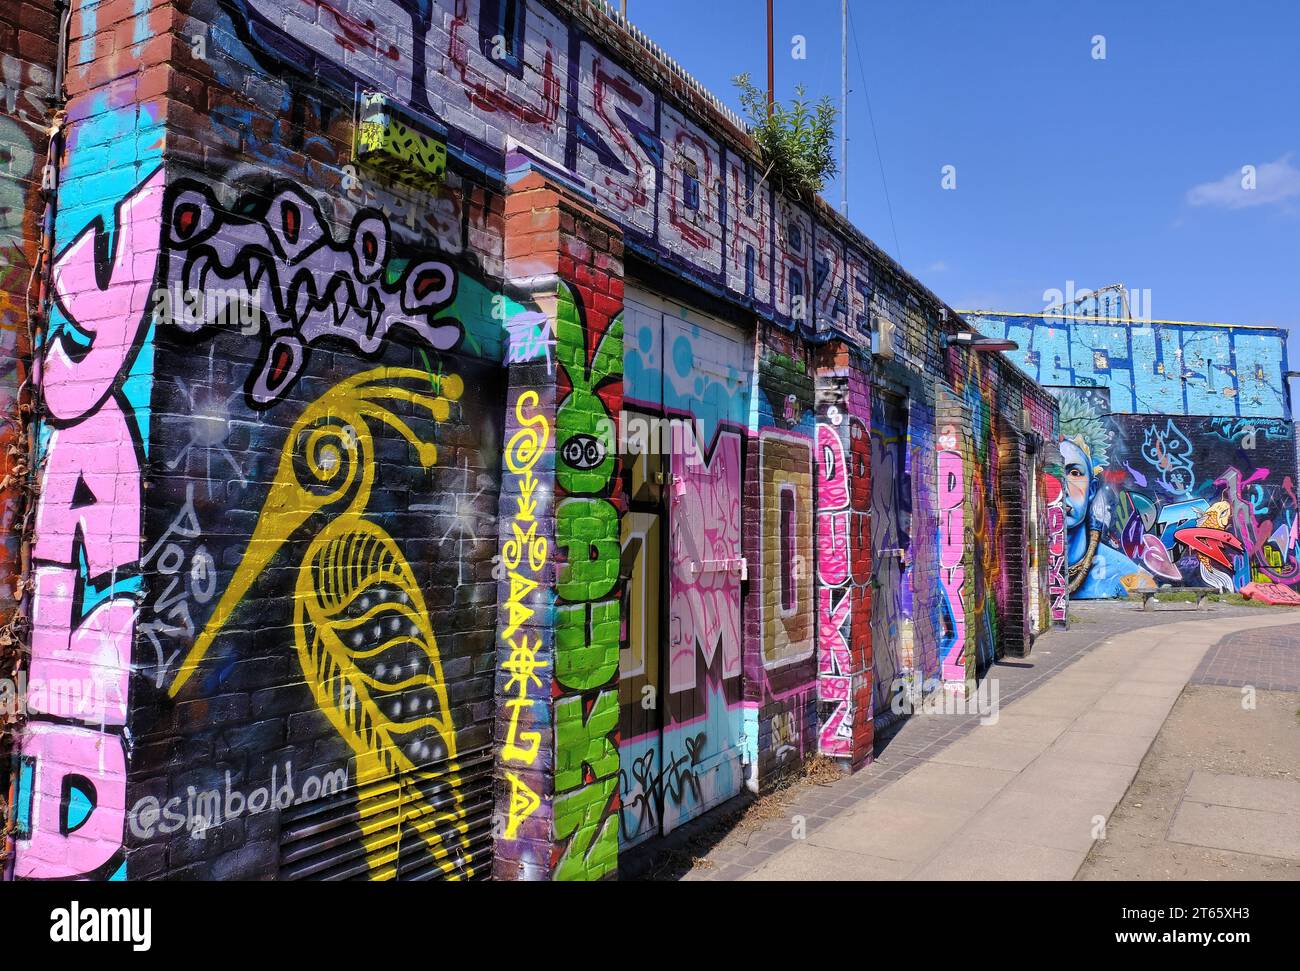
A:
1025, 797
1218, 795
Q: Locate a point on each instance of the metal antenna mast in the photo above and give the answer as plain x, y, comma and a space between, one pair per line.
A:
771, 64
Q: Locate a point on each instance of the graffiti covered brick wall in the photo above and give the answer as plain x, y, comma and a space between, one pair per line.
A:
573, 88
71, 769
687, 410
275, 563
27, 59
1154, 500
956, 551
339, 523
843, 490
561, 618
1011, 424
589, 508
27, 62
781, 619
323, 487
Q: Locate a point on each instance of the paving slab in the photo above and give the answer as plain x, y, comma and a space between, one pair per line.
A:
892, 829
1123, 703
1145, 689
988, 858
1245, 792
949, 785
1023, 727
1092, 747
1142, 720
1065, 706
1240, 830
1043, 819
1077, 676
983, 752
1073, 778
808, 861
1146, 675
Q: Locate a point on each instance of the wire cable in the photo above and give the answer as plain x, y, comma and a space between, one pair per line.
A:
866, 93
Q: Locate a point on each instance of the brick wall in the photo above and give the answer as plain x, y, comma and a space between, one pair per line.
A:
780, 609
590, 503
843, 490
27, 67
956, 549
344, 439
95, 409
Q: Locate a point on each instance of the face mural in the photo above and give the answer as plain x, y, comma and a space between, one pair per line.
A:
1147, 501
1097, 569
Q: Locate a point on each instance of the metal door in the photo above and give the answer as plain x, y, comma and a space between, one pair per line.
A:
686, 399
890, 527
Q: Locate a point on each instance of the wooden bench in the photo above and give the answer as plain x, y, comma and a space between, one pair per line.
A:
1148, 596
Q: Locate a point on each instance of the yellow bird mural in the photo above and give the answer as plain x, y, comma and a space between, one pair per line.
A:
362, 631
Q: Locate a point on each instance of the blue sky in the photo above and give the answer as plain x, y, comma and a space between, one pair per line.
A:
1126, 169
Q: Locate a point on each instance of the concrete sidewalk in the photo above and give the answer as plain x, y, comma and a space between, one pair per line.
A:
1024, 798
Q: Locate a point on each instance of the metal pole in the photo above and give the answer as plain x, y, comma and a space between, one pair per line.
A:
844, 107
771, 64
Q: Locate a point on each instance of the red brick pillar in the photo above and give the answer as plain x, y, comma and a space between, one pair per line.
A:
843, 532
956, 550
561, 514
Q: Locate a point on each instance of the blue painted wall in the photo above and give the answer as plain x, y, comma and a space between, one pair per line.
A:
1152, 367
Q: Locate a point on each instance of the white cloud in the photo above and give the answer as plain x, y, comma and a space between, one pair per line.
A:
1275, 182
938, 266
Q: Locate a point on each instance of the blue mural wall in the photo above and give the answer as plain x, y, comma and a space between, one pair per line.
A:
1159, 500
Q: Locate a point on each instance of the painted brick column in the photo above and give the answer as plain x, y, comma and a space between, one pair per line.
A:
843, 496
73, 752
1013, 497
780, 610
1058, 586
561, 544
28, 52
954, 439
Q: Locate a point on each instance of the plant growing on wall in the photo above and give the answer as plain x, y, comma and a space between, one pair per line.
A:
797, 141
